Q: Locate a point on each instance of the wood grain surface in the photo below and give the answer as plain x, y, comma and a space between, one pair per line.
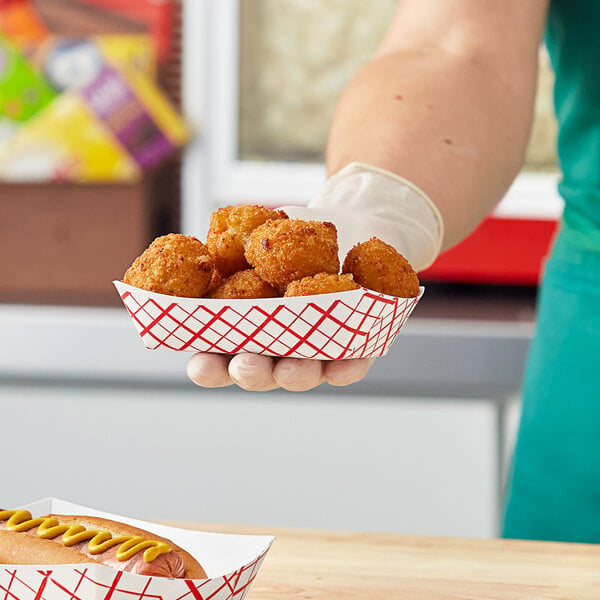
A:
321, 565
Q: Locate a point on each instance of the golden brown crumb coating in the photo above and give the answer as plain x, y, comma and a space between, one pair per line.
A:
229, 230
215, 281
173, 264
381, 268
243, 284
321, 283
286, 250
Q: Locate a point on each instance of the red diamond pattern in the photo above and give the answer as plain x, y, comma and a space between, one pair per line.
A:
22, 582
328, 327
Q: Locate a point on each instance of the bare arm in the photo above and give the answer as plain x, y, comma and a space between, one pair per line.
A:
446, 102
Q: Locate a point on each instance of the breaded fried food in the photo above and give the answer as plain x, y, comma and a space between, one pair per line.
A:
243, 284
215, 281
286, 250
321, 283
229, 230
173, 264
381, 268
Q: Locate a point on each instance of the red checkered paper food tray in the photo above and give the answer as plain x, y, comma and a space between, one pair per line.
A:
354, 324
230, 561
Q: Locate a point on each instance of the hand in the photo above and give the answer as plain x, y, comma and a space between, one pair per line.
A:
363, 201
257, 373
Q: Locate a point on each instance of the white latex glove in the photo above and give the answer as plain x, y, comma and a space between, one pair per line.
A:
363, 201
257, 373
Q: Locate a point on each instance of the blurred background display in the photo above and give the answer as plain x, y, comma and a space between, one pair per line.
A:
90, 141
92, 132
295, 61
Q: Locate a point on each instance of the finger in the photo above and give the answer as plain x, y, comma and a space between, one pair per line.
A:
346, 372
298, 374
209, 370
252, 372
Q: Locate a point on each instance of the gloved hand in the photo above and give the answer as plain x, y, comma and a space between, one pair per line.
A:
258, 373
363, 201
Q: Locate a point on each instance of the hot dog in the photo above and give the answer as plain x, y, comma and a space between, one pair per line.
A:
67, 539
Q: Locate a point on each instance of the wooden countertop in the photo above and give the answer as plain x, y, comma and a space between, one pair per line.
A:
319, 565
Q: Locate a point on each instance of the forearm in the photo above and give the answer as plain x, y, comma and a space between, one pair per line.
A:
454, 123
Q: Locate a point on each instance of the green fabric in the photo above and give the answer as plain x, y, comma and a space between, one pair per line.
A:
554, 490
573, 42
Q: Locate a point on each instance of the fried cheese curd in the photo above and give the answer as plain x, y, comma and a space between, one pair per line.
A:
286, 250
228, 232
381, 268
215, 281
321, 283
243, 284
173, 264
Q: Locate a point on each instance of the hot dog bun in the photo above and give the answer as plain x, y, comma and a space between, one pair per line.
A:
82, 539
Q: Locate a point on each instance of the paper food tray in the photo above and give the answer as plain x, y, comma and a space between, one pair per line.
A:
355, 324
230, 561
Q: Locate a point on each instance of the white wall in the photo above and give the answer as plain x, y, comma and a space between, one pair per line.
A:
406, 466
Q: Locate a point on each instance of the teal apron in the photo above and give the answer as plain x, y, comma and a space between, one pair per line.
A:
554, 487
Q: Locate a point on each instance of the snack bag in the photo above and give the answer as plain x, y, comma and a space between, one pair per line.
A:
70, 63
65, 142
155, 15
23, 91
138, 114
112, 122
20, 22
130, 52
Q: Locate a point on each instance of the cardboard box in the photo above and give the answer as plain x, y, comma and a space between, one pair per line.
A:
62, 243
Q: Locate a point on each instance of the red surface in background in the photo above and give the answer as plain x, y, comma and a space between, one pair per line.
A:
156, 15
499, 251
